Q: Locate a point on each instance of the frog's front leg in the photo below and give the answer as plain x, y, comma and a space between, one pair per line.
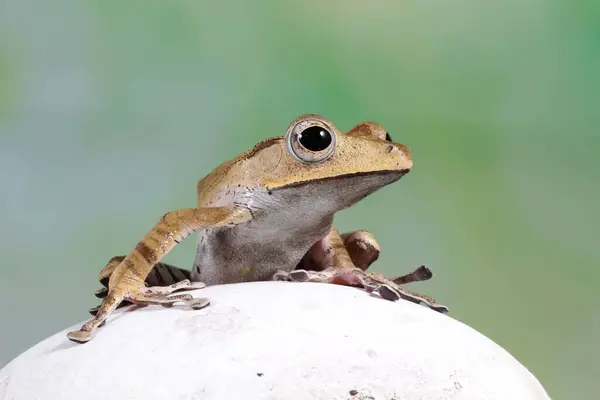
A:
126, 282
161, 275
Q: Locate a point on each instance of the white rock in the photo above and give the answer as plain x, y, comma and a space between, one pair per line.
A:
273, 340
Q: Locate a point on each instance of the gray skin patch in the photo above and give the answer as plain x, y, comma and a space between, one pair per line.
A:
286, 223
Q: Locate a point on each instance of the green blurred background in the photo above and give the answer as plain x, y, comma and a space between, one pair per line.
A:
111, 110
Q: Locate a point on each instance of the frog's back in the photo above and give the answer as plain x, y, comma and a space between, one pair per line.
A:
216, 188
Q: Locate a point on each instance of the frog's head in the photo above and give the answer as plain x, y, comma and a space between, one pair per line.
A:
315, 162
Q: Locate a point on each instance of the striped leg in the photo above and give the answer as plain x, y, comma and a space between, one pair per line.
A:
127, 281
161, 275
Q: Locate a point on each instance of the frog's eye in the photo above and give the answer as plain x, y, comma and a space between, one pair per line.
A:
388, 137
315, 139
311, 143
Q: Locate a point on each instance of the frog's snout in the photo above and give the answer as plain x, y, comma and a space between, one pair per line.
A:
405, 151
405, 156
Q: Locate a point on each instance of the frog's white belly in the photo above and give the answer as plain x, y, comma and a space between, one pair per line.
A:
277, 238
249, 253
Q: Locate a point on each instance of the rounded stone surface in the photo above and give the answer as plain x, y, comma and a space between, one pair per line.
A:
276, 341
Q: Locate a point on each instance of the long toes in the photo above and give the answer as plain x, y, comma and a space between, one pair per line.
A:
439, 308
347, 279
423, 273
199, 303
435, 307
185, 284
169, 301
387, 293
197, 285
182, 297
299, 275
101, 293
182, 284
161, 298
281, 276
79, 336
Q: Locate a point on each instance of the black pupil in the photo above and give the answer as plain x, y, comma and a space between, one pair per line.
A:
388, 137
315, 138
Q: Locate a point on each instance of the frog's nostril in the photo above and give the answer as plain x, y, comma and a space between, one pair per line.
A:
404, 150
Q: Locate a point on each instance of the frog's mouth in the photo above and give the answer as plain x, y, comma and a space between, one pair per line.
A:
393, 174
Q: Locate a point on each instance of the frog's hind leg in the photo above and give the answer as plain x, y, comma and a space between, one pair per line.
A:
362, 247
328, 252
356, 249
344, 259
364, 250
327, 255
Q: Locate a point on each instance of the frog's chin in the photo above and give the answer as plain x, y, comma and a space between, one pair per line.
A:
326, 196
378, 181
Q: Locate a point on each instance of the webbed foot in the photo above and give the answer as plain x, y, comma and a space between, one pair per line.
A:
371, 282
140, 295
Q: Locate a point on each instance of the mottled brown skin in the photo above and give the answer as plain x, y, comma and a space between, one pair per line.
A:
267, 214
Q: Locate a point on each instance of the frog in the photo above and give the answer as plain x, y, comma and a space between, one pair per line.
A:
267, 215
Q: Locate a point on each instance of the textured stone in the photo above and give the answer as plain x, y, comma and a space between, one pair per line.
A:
273, 340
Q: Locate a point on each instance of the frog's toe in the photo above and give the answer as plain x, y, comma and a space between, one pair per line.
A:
386, 292
390, 293
297, 275
197, 285
79, 336
439, 308
101, 293
185, 284
347, 277
280, 276
199, 303
422, 273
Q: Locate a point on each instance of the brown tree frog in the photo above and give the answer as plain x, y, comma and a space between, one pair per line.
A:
268, 214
